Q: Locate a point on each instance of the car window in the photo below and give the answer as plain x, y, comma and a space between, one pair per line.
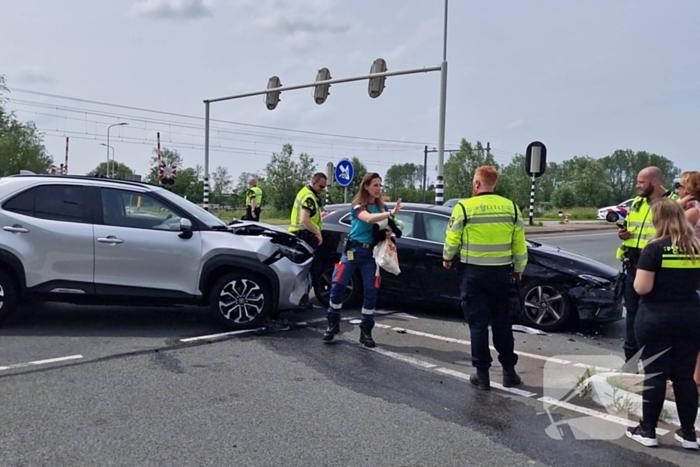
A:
52, 202
435, 227
122, 208
409, 220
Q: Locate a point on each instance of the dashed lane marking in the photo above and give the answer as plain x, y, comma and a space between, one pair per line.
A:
219, 336
41, 362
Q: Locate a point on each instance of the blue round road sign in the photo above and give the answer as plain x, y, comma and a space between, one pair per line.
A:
344, 172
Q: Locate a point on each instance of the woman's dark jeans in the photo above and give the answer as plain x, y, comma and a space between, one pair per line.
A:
669, 336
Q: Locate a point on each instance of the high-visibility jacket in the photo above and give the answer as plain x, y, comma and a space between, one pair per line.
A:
487, 230
639, 224
306, 199
253, 192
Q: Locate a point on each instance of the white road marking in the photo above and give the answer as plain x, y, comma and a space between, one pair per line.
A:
597, 368
403, 358
41, 362
465, 342
594, 413
218, 336
546, 237
464, 376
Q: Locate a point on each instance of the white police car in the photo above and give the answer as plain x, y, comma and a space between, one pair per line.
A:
615, 213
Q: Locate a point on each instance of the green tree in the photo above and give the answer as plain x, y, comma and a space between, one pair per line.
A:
284, 177
221, 184
170, 157
21, 145
460, 168
584, 174
120, 170
564, 197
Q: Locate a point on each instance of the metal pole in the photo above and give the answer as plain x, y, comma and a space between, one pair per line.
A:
65, 168
532, 201
108, 128
205, 201
440, 187
345, 194
425, 168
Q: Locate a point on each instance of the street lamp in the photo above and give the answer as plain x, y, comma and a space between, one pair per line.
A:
440, 185
108, 146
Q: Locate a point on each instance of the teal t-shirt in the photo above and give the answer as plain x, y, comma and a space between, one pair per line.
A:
362, 231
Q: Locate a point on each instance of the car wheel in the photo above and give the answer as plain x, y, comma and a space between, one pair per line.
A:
612, 217
8, 296
352, 295
241, 300
545, 307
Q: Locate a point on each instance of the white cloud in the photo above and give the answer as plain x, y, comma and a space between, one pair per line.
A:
172, 9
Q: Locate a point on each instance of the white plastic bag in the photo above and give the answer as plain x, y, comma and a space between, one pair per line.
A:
386, 256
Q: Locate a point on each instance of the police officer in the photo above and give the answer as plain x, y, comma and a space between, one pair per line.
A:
635, 232
307, 223
253, 201
487, 231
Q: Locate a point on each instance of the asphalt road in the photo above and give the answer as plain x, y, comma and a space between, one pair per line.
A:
131, 392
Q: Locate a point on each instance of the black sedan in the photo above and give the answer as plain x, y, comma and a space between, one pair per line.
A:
557, 285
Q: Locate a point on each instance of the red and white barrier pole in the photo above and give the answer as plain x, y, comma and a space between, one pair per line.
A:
158, 166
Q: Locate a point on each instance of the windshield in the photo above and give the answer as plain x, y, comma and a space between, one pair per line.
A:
202, 215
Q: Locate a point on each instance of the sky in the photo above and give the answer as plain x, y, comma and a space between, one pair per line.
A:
583, 77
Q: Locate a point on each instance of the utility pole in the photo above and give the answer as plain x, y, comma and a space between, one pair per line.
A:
440, 186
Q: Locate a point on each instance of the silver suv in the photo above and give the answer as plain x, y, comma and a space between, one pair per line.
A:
103, 241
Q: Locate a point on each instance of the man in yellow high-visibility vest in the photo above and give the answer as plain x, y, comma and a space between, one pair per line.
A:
306, 222
488, 233
635, 233
253, 201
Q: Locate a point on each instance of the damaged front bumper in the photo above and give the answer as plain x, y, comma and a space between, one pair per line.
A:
598, 300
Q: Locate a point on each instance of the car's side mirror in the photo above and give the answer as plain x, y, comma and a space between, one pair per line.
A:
185, 228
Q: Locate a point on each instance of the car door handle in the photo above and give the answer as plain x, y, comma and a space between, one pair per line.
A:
15, 229
111, 240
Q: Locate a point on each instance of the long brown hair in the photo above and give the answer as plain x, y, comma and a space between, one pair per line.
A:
670, 222
363, 198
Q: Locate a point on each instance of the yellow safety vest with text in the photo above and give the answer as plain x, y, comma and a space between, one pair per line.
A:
254, 192
671, 258
487, 230
638, 223
306, 198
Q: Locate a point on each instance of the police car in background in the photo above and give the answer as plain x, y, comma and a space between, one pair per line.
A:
615, 213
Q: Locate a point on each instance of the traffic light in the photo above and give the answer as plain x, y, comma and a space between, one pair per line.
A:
376, 85
273, 98
321, 92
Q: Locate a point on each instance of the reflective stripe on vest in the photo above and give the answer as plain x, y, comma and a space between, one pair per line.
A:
639, 224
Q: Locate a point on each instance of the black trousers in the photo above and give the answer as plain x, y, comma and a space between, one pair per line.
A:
631, 305
670, 340
485, 301
248, 214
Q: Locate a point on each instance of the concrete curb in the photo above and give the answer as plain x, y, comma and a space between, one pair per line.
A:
608, 396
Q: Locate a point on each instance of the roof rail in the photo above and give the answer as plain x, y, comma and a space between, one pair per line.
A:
27, 173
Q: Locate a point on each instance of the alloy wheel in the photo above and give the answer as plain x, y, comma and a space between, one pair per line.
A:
241, 300
544, 305
326, 284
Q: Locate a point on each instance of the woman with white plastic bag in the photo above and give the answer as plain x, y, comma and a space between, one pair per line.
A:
385, 253
367, 211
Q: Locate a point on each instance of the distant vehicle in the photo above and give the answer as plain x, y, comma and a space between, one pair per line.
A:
615, 213
105, 241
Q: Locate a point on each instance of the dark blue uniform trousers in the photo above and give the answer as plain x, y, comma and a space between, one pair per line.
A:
485, 301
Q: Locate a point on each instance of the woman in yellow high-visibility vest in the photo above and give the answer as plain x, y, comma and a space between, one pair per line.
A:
667, 327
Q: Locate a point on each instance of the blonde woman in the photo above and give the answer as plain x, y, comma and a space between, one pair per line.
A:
667, 327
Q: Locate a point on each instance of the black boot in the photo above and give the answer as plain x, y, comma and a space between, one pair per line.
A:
481, 379
333, 327
366, 335
511, 378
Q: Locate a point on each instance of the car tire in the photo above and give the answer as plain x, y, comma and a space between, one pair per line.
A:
241, 300
546, 307
612, 217
353, 291
8, 296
